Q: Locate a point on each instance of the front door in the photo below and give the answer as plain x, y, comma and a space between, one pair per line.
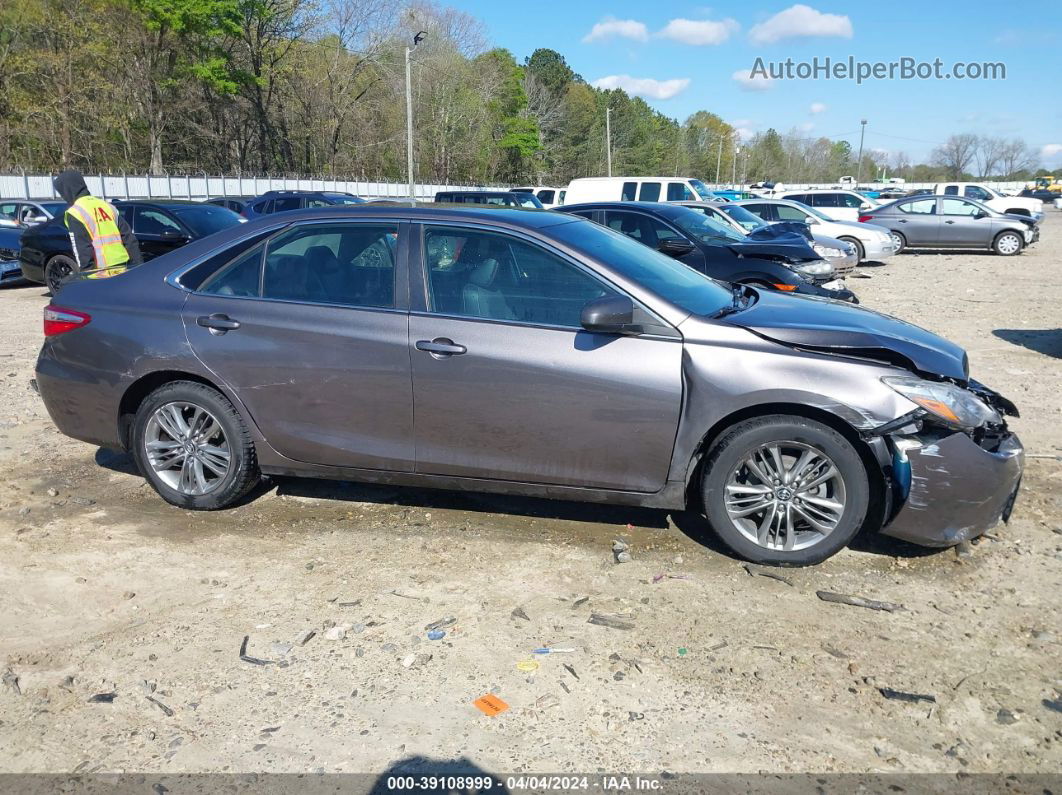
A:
960, 225
306, 329
508, 386
157, 232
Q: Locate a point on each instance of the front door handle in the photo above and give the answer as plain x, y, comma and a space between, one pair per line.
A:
218, 324
949, 222
441, 347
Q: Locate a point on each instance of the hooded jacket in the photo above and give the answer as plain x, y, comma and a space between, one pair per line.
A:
70, 185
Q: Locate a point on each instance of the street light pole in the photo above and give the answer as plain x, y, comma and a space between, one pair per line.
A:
859, 166
733, 169
608, 139
409, 115
718, 160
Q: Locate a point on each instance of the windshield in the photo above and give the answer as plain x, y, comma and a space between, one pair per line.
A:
702, 190
206, 219
346, 200
528, 200
704, 228
747, 220
668, 278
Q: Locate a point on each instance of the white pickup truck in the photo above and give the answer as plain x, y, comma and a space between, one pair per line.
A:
1015, 205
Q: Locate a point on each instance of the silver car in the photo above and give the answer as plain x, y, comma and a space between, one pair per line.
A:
954, 222
843, 256
872, 242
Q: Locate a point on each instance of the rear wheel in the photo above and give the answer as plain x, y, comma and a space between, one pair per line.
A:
57, 270
1007, 244
193, 447
861, 252
785, 490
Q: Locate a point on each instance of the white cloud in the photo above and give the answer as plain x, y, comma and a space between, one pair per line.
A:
749, 83
1051, 150
744, 133
612, 28
699, 31
799, 21
806, 126
644, 86
743, 123
817, 107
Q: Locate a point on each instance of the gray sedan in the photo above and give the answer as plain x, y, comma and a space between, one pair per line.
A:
526, 352
953, 222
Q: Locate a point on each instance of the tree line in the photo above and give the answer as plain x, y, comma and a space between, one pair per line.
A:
317, 87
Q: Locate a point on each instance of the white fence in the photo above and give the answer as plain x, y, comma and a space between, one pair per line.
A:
188, 186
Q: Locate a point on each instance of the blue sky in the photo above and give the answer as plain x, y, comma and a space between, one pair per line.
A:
683, 57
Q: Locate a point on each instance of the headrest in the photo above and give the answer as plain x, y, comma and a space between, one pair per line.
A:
484, 273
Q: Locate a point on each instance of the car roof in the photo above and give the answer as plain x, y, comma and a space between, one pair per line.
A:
659, 207
159, 202
478, 192
525, 217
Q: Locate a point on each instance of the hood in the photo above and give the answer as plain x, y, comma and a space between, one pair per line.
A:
829, 326
1025, 219
781, 229
789, 247
70, 185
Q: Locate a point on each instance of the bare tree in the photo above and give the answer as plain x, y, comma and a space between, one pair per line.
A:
1016, 156
989, 152
956, 154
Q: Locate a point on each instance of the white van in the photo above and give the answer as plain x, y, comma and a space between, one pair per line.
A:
643, 189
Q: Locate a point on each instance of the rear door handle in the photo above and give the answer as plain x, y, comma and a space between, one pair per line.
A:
218, 324
949, 222
441, 346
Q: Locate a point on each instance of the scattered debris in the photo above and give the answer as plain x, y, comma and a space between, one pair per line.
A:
416, 660
103, 698
859, 601
1053, 704
82, 501
247, 658
442, 623
580, 602
963, 550
147, 687
900, 695
840, 655
770, 575
355, 603
53, 492
548, 701
719, 646
683, 651
307, 637
335, 633
1006, 717
635, 715
615, 622
571, 670
566, 690
165, 710
490, 705
621, 549
657, 578
527, 666
279, 648
10, 680
129, 594
552, 650
436, 634
519, 613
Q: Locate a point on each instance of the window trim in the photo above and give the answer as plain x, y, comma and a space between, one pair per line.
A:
421, 269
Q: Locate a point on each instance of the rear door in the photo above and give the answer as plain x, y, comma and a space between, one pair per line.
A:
310, 331
508, 386
917, 221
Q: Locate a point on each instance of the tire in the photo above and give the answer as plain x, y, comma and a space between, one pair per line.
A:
861, 253
729, 486
57, 270
1007, 244
224, 467
899, 239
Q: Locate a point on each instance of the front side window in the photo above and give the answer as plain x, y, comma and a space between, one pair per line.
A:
147, 221
951, 190
706, 228
976, 192
546, 196
206, 220
748, 220
497, 277
787, 212
958, 207
678, 192
628, 191
920, 207
848, 200
702, 190
650, 192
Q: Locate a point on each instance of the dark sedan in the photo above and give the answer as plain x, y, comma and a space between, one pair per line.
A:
159, 226
715, 249
953, 222
525, 352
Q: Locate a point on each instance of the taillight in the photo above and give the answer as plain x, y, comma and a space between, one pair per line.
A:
59, 320
864, 218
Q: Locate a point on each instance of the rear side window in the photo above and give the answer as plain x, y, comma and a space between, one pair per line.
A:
650, 192
786, 213
951, 190
240, 277
920, 207
263, 207
286, 203
628, 191
762, 210
803, 198
678, 192
825, 200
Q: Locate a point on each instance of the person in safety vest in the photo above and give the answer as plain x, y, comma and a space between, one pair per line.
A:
101, 239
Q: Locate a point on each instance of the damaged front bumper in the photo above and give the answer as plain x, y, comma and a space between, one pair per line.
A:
947, 488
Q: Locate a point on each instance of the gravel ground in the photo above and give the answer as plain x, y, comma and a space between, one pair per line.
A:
108, 590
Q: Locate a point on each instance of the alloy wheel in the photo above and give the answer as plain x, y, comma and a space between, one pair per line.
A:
785, 496
186, 447
58, 270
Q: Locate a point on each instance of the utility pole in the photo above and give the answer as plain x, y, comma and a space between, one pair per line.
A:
719, 160
409, 115
859, 166
608, 139
733, 169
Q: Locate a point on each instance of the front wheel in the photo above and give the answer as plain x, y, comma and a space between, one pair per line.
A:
1007, 244
57, 271
193, 447
899, 240
785, 490
861, 253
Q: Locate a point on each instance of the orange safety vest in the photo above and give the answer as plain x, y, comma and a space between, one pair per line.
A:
101, 220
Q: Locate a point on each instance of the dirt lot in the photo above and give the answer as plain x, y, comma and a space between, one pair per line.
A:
106, 589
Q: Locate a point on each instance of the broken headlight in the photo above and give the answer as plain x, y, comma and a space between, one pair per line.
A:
952, 405
815, 267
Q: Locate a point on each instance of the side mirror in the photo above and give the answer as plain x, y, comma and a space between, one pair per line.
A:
810, 220
980, 214
35, 219
675, 246
613, 314
865, 206
173, 235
